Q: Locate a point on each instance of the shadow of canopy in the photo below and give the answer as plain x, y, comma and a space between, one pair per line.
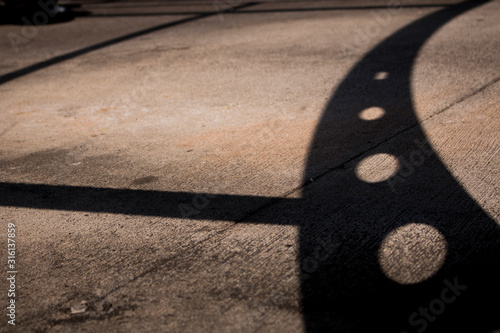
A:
348, 291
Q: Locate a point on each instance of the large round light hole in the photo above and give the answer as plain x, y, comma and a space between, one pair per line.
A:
412, 253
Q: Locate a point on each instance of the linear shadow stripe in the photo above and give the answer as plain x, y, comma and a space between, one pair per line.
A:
199, 206
67, 56
264, 11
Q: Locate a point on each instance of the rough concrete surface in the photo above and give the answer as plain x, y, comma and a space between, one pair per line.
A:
269, 166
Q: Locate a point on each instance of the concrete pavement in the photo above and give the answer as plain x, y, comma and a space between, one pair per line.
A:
283, 167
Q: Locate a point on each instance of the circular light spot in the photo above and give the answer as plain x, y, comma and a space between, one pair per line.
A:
381, 76
377, 168
372, 113
412, 253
